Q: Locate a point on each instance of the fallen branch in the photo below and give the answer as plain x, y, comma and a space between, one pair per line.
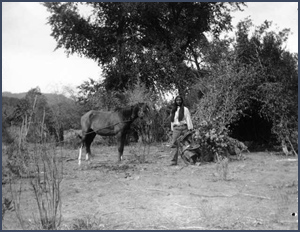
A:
192, 227
155, 228
71, 159
291, 160
157, 190
296, 221
292, 147
188, 207
198, 195
250, 195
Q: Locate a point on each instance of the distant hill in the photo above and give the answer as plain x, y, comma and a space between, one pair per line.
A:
52, 98
14, 95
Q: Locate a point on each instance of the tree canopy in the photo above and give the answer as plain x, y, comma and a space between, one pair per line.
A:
252, 83
149, 41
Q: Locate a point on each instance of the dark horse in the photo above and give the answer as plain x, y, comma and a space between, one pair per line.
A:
108, 123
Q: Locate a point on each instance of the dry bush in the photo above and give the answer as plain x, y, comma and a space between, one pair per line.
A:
88, 222
7, 205
46, 187
44, 168
41, 163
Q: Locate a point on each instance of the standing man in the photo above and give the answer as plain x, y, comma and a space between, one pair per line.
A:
181, 122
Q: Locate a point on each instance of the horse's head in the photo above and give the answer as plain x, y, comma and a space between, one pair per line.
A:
142, 111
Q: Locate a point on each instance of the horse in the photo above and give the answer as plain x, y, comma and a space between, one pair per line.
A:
109, 123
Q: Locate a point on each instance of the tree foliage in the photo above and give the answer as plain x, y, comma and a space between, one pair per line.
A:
139, 40
276, 90
40, 119
256, 77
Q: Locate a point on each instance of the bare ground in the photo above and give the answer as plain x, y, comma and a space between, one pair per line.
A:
259, 192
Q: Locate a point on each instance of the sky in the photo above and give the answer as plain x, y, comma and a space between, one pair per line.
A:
29, 58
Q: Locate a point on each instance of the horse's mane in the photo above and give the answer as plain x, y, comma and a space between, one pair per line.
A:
126, 111
118, 108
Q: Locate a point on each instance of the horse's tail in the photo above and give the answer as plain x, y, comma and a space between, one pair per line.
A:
81, 140
79, 136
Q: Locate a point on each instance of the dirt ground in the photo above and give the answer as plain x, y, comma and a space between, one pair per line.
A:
259, 192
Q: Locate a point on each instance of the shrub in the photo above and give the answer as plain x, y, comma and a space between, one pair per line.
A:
44, 167
213, 141
88, 222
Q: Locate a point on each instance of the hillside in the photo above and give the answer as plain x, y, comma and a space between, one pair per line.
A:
52, 98
14, 95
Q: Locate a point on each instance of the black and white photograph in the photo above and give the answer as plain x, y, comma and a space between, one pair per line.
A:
149, 115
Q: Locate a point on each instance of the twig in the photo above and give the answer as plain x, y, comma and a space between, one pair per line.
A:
250, 195
198, 195
287, 160
104, 214
188, 207
255, 219
71, 159
157, 190
295, 153
296, 221
164, 227
192, 227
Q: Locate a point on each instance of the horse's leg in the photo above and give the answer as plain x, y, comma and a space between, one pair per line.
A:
80, 150
79, 157
88, 141
121, 137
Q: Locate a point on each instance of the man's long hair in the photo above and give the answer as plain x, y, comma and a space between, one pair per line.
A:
174, 109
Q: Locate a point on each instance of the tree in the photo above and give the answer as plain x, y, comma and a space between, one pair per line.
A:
251, 85
65, 114
33, 114
224, 88
93, 95
276, 90
139, 40
269, 89
9, 105
36, 116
